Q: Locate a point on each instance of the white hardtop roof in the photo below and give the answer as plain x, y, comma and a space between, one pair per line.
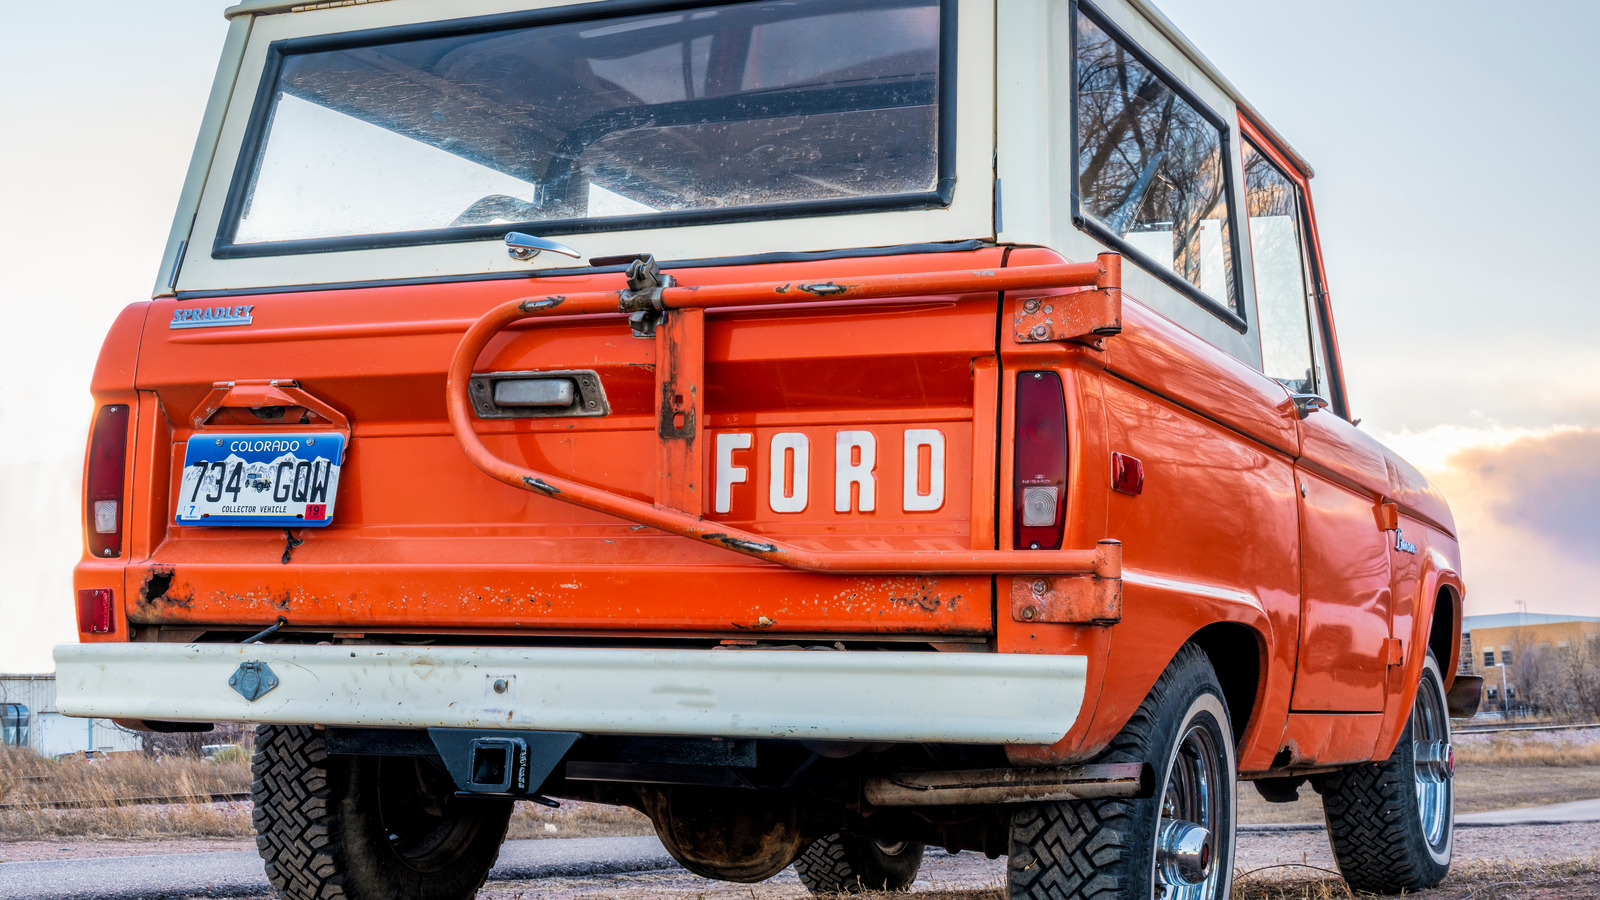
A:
1156, 17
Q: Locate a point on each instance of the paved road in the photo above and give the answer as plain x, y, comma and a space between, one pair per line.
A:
237, 873
1555, 813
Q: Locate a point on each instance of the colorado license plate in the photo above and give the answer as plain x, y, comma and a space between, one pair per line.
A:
280, 480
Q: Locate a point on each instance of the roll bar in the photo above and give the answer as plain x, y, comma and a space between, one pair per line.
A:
675, 316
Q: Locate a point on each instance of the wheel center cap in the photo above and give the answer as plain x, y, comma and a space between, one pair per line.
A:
1183, 852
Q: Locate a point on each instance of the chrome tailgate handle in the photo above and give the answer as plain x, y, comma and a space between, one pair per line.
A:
544, 392
538, 395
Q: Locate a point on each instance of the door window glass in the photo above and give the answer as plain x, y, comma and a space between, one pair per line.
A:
1277, 251
1150, 166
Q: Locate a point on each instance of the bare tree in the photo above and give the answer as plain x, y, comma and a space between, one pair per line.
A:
1561, 682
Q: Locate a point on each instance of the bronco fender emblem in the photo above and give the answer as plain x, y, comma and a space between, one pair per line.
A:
252, 680
1403, 545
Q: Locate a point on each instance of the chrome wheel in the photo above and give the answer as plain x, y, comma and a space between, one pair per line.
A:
1193, 806
1432, 763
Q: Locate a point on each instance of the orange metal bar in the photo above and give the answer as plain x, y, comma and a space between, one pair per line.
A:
1104, 561
680, 374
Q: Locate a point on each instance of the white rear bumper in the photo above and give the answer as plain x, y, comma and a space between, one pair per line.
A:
859, 696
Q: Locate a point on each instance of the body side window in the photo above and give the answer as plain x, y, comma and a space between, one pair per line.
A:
1152, 172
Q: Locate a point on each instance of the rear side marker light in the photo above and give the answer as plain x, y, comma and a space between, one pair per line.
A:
94, 611
108, 454
1127, 474
1039, 497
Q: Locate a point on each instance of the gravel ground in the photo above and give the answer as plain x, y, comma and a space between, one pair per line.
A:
1543, 862
941, 873
79, 848
1277, 865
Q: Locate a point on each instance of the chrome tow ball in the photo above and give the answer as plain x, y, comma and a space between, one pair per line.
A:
1183, 852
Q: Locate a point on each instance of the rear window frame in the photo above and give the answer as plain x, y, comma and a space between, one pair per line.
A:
1235, 319
224, 246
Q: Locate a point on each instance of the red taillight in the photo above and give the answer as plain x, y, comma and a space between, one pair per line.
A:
1041, 472
94, 611
108, 455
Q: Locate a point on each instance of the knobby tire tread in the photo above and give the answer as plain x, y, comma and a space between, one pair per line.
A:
1367, 828
1082, 850
1374, 827
823, 868
826, 868
293, 813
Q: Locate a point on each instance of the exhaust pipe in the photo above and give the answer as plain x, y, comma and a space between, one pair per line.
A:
983, 786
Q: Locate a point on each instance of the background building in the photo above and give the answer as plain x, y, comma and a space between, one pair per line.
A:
1494, 646
29, 718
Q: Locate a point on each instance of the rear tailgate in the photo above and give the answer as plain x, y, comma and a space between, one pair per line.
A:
421, 540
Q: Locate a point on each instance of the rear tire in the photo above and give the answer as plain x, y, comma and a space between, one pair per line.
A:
1392, 823
846, 864
366, 827
1107, 849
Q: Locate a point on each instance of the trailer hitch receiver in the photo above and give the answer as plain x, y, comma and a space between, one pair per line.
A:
502, 763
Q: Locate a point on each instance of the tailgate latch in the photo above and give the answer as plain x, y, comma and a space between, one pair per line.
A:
642, 298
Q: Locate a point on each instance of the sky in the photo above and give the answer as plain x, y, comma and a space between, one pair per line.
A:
1461, 284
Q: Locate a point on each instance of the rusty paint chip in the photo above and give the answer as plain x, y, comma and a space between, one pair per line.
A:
823, 288
546, 303
740, 543
539, 485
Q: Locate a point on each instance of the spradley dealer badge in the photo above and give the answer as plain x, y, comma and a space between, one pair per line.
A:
210, 316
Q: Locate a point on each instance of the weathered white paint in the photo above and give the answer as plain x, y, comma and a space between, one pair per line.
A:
1033, 160
849, 471
933, 439
864, 696
729, 474
969, 215
791, 463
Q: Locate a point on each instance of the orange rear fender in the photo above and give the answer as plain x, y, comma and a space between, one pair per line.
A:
1160, 615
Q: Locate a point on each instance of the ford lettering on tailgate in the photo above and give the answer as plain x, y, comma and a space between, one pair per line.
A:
255, 479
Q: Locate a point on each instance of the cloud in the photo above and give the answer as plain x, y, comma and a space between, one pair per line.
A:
1527, 505
1548, 485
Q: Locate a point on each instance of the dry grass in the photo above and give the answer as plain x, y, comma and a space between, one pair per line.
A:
575, 819
1493, 771
1475, 880
1525, 750
28, 783
27, 777
1478, 788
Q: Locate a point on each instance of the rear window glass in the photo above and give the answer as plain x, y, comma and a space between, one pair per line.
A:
691, 113
1151, 168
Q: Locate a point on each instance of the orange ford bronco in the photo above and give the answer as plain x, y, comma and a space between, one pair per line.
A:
831, 428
